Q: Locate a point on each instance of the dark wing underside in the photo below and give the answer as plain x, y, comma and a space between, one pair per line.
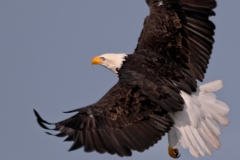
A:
96, 133
181, 31
200, 33
131, 116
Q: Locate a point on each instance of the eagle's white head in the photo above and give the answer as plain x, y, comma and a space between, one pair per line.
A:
110, 60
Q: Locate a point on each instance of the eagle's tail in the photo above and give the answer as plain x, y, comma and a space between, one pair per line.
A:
197, 126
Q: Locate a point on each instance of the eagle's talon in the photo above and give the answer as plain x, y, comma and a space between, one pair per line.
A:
173, 152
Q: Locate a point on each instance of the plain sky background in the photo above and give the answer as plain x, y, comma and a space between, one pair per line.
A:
46, 47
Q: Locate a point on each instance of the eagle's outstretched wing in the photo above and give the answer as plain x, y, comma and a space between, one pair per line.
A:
128, 117
182, 31
133, 115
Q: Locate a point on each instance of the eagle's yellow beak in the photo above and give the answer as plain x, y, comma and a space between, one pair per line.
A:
96, 60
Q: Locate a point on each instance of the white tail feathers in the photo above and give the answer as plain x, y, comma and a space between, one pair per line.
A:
211, 86
197, 126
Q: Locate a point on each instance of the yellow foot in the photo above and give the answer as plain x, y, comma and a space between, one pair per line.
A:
173, 152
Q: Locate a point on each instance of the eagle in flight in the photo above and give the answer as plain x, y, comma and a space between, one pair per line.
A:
157, 91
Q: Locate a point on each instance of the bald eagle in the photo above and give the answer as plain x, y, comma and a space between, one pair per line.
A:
157, 91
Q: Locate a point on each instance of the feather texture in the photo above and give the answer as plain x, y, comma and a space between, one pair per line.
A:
197, 126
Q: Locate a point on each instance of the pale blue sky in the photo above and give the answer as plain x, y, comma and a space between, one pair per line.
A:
45, 64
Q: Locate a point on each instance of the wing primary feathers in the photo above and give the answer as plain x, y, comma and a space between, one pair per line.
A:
98, 143
181, 32
42, 122
77, 142
69, 138
139, 135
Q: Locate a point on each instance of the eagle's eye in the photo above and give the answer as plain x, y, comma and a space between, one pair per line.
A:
102, 58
